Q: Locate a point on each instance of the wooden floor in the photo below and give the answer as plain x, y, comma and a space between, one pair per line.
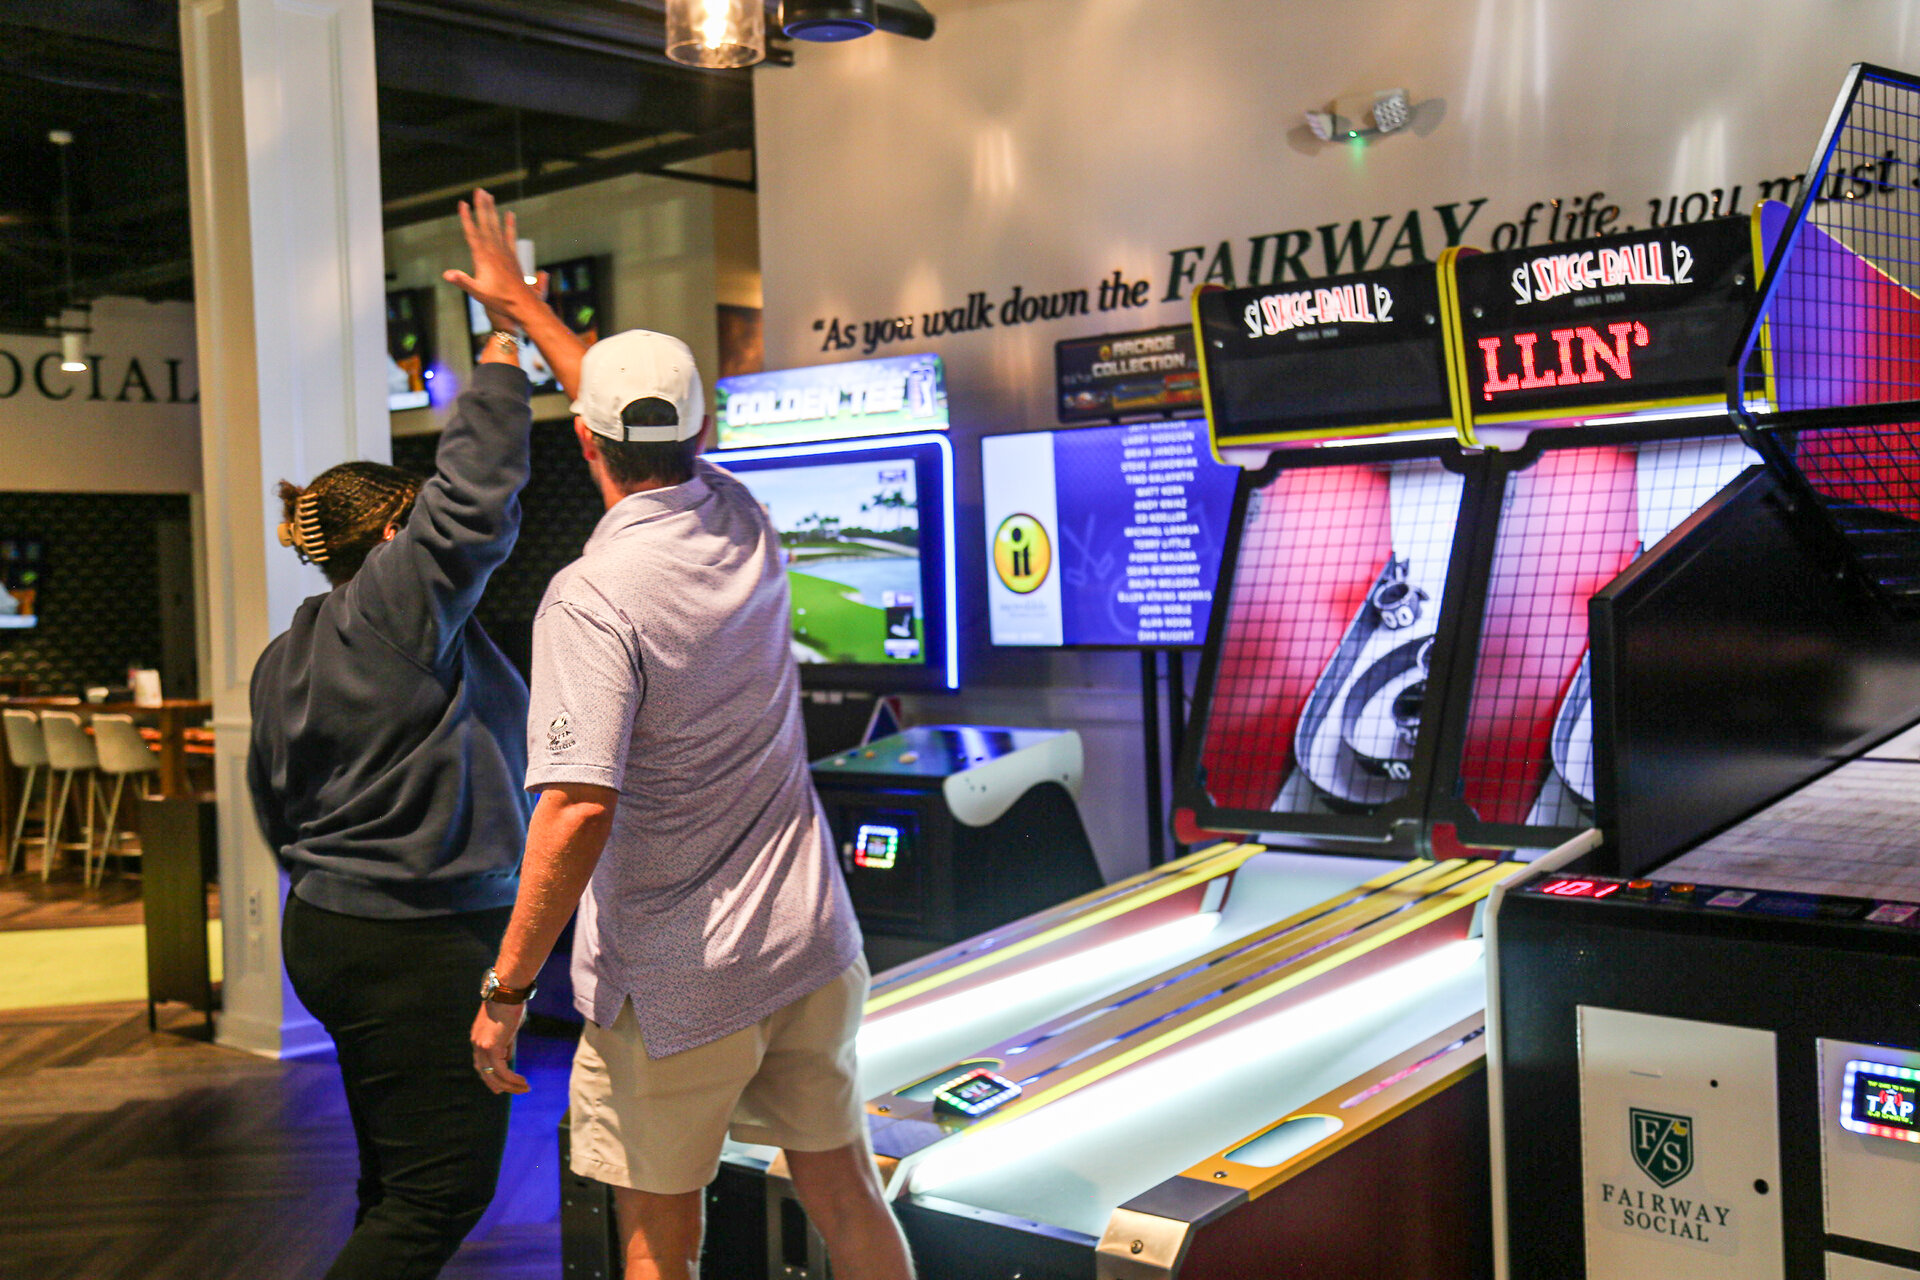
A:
129, 1155
62, 902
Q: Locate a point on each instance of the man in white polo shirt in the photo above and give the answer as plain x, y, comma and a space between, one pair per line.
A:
716, 958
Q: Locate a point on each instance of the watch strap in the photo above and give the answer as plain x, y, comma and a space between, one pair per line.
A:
493, 992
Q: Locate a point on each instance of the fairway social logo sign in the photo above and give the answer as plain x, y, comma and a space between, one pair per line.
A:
1662, 1145
1022, 553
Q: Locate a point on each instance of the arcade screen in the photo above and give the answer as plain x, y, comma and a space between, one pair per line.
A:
409, 348
22, 565
1334, 607
1104, 536
1569, 523
866, 532
576, 291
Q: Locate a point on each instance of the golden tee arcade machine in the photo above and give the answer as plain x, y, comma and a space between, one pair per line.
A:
1707, 1044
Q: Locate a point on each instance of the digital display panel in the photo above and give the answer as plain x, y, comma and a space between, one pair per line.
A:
575, 291
409, 348
1104, 536
877, 846
1881, 1099
1567, 888
888, 396
22, 566
1347, 355
976, 1093
1118, 375
1626, 322
866, 531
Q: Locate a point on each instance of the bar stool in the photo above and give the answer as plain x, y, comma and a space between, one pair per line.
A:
123, 754
69, 751
27, 748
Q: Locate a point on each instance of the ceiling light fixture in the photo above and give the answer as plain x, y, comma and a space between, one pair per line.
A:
829, 20
73, 353
1356, 121
716, 34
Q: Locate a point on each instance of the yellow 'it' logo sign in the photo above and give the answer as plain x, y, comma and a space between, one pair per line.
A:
1022, 553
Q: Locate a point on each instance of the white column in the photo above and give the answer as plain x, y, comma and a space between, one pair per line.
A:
284, 164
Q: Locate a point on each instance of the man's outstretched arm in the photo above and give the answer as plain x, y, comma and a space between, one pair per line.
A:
499, 287
564, 841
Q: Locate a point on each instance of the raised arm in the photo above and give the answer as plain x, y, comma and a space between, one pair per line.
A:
420, 590
498, 285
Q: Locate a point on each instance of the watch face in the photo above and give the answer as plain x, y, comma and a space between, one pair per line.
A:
488, 985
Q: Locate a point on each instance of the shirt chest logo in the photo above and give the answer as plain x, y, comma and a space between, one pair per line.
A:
560, 733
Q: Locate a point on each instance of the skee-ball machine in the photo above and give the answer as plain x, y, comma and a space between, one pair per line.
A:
1708, 1056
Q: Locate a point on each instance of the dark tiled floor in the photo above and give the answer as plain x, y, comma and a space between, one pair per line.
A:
125, 1154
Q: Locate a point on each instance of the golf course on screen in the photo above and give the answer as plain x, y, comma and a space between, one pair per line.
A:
851, 535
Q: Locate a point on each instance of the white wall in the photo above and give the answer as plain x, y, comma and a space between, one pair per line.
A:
1049, 143
131, 424
659, 231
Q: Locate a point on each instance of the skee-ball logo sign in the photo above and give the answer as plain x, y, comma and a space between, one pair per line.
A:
1662, 1145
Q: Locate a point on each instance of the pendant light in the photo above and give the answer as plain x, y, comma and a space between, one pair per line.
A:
73, 354
717, 33
828, 20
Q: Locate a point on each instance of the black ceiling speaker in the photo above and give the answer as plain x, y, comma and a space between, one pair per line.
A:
828, 19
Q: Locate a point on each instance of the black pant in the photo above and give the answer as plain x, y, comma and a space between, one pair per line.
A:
398, 998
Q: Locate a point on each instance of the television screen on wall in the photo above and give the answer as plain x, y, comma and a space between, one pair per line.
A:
1104, 536
22, 565
409, 348
577, 291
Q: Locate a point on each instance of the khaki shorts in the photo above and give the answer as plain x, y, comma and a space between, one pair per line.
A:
657, 1124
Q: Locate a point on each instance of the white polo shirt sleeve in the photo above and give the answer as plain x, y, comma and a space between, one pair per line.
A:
585, 693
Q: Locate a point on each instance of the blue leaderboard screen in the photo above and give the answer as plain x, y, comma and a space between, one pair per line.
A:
1104, 536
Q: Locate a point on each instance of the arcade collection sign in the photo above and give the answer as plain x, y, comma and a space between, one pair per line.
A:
1622, 325
1353, 355
1120, 375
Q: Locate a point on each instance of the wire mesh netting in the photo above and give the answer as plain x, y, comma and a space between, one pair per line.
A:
1568, 525
1841, 321
1328, 641
1839, 329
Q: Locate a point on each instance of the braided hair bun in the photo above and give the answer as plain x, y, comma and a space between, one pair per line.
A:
343, 514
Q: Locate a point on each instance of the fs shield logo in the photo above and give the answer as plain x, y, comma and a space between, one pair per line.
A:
1022, 553
1662, 1144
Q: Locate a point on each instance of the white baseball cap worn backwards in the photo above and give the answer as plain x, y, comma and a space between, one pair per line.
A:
640, 365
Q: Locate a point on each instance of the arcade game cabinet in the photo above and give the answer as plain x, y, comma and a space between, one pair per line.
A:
1708, 1058
866, 525
948, 830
